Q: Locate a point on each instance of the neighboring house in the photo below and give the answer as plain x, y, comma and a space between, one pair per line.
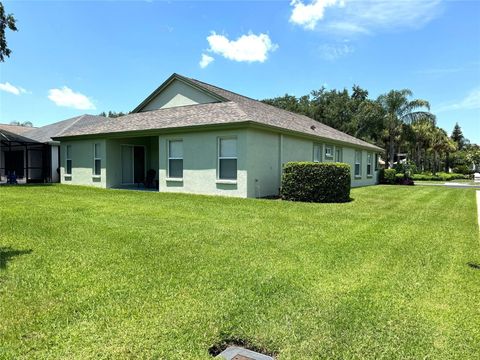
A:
29, 153
205, 140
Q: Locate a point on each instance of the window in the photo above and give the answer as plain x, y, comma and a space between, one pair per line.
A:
68, 160
328, 152
369, 164
97, 161
227, 159
376, 162
317, 152
338, 154
358, 164
175, 159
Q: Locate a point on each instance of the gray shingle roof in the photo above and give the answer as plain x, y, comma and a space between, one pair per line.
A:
47, 132
236, 109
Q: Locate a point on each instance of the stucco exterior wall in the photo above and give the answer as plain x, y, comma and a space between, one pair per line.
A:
266, 151
82, 163
260, 156
178, 94
200, 156
114, 156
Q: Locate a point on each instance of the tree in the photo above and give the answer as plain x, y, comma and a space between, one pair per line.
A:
457, 136
5, 21
473, 156
25, 123
112, 114
398, 111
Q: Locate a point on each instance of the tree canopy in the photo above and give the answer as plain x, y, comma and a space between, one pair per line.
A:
6, 21
393, 121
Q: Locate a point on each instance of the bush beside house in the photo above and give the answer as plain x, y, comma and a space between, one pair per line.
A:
316, 182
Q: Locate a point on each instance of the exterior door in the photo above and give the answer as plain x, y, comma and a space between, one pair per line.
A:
127, 164
133, 164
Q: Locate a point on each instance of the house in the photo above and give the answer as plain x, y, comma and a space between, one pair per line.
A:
199, 138
29, 153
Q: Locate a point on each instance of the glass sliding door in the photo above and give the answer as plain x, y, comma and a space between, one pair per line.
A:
127, 164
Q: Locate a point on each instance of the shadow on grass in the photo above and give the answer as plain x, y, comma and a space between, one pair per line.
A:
7, 254
473, 265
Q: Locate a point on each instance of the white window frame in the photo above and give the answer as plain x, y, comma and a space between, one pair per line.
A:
95, 158
359, 176
330, 155
338, 158
68, 157
173, 158
369, 165
219, 157
319, 153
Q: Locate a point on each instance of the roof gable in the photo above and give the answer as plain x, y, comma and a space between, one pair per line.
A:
177, 91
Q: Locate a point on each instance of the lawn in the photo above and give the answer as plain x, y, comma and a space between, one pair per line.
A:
88, 273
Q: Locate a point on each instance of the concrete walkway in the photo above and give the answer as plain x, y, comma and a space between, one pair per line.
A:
449, 184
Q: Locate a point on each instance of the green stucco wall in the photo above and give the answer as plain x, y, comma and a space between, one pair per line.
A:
266, 150
114, 156
82, 163
260, 155
178, 93
200, 164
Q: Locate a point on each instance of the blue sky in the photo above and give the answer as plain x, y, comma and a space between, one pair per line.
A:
70, 58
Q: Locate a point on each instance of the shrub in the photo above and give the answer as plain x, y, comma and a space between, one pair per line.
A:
316, 182
388, 176
440, 176
463, 169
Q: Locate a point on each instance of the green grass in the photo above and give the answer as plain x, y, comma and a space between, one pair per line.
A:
88, 273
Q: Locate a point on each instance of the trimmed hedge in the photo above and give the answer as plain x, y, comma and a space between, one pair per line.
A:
388, 176
391, 177
440, 176
316, 182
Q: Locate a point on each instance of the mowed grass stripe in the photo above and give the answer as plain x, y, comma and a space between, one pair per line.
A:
119, 274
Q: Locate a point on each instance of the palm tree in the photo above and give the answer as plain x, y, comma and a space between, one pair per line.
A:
25, 123
422, 130
398, 111
441, 145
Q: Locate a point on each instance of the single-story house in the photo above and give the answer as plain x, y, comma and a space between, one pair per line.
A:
202, 139
29, 153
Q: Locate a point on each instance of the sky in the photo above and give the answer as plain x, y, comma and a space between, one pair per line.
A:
74, 57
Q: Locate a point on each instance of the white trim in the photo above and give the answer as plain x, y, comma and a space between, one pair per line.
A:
355, 163
320, 152
67, 159
331, 154
173, 158
369, 162
219, 140
338, 158
95, 159
225, 181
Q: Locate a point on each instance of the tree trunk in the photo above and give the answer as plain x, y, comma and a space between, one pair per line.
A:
447, 162
391, 153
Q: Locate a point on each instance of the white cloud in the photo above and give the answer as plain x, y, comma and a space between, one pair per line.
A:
349, 17
67, 97
470, 102
334, 51
249, 48
16, 90
307, 15
205, 61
